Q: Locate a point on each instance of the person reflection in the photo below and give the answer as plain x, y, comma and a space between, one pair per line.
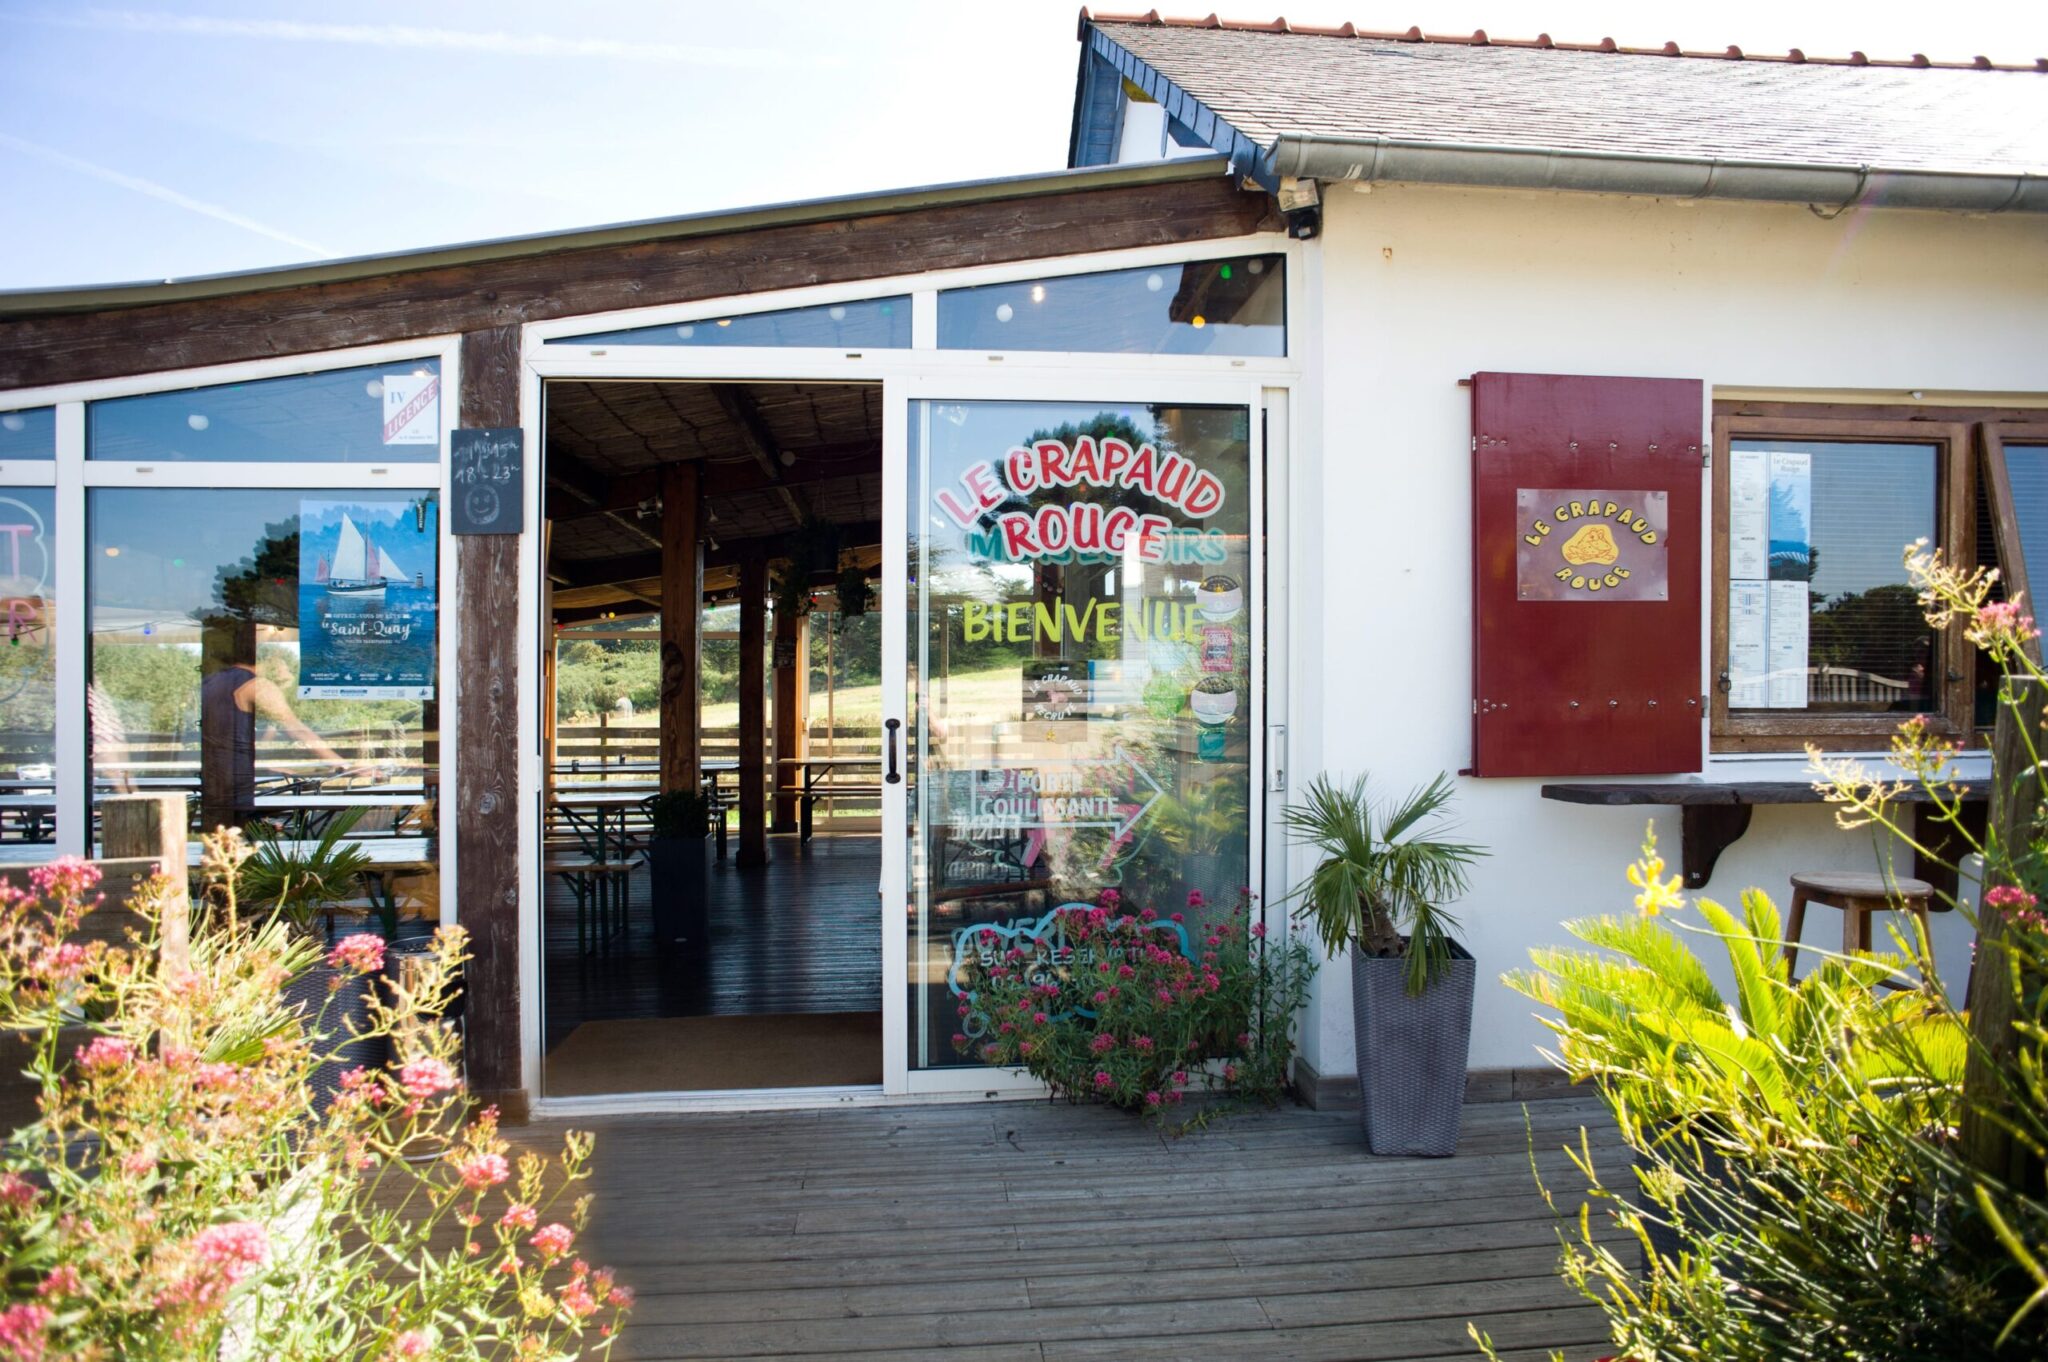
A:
233, 696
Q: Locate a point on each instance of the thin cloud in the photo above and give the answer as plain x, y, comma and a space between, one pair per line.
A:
439, 39
162, 192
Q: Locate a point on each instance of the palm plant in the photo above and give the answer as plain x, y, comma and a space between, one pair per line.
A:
1385, 873
297, 882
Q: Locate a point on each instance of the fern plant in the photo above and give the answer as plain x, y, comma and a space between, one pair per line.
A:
1385, 873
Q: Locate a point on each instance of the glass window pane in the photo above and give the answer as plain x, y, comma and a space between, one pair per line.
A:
382, 413
1210, 307
2027, 468
1081, 580
870, 324
30, 434
271, 654
1821, 618
28, 674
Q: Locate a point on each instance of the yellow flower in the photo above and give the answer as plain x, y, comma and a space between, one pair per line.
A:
1647, 874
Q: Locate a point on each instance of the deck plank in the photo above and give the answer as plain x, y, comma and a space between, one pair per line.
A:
1029, 1232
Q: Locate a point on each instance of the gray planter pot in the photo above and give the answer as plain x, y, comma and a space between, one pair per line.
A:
339, 1000
1412, 1051
676, 867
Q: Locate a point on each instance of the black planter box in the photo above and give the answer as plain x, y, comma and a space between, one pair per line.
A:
1412, 1051
676, 868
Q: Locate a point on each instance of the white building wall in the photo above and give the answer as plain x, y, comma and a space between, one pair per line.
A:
1421, 287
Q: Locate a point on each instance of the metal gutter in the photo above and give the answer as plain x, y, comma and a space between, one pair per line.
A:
1397, 160
102, 297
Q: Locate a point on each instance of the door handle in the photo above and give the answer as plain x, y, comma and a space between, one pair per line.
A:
894, 777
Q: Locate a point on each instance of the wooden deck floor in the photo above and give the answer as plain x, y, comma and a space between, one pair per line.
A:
1040, 1232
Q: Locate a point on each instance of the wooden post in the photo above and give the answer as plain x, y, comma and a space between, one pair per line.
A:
2016, 820
682, 604
753, 709
792, 677
151, 827
487, 792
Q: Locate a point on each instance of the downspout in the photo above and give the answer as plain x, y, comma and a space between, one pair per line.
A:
1372, 159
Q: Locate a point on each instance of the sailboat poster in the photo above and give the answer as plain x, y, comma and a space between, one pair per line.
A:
367, 595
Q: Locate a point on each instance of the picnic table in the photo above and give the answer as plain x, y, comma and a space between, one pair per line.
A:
812, 780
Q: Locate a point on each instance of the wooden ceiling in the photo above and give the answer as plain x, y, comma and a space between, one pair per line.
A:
774, 456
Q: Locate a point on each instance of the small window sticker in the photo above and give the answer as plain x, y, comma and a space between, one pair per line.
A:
412, 409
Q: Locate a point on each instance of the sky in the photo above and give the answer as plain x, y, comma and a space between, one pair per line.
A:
160, 139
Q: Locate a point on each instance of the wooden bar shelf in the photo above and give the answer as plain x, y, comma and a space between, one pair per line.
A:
1714, 814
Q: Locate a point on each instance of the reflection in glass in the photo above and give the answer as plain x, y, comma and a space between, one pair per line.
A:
30, 434
382, 413
28, 673
1853, 640
869, 324
1081, 589
1209, 307
270, 653
2026, 468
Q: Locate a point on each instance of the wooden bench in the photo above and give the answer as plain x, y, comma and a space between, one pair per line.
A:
602, 890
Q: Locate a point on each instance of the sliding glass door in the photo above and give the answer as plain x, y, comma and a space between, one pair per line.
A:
1081, 614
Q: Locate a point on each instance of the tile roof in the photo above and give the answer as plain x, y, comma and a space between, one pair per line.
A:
1275, 81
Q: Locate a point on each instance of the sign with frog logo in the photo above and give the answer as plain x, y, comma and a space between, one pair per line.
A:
1579, 544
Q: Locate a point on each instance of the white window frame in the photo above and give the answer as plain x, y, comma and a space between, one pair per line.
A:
923, 371
74, 475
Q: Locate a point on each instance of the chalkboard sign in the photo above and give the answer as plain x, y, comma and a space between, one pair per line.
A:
487, 485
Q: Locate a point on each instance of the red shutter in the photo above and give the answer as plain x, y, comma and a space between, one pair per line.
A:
1582, 670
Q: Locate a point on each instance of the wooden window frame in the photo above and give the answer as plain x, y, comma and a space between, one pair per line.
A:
2012, 557
1955, 523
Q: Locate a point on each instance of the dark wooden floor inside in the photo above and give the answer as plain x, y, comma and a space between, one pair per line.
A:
799, 934
1032, 1232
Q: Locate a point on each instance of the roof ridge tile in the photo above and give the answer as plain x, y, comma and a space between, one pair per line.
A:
1544, 42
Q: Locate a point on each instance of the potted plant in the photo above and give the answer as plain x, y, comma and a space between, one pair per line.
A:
301, 884
1380, 890
678, 822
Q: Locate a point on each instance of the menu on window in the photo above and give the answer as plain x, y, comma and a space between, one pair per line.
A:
1770, 566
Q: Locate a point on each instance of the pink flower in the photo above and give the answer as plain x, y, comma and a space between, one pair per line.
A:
552, 1241
577, 1300
1038, 1018
484, 1170
137, 1163
1103, 1043
1142, 1043
1146, 915
1195, 899
236, 1248
622, 1297
518, 1216
21, 1332
1259, 930
66, 878
1109, 899
1177, 917
1102, 1078
105, 1052
1153, 1099
1124, 971
411, 1343
17, 1193
2008, 896
362, 952
62, 1281
1181, 1077
1099, 997
959, 1040
423, 1078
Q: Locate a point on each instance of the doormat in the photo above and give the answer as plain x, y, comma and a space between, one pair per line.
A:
713, 1054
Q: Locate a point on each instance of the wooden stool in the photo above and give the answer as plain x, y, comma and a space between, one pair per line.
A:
1858, 893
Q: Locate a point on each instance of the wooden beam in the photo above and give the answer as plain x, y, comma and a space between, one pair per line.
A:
487, 795
740, 409
682, 582
753, 709
637, 567
481, 296
792, 681
820, 463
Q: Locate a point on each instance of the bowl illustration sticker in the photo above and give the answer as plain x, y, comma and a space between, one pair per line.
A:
1219, 597
1214, 699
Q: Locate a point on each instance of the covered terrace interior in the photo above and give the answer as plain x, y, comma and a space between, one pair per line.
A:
710, 555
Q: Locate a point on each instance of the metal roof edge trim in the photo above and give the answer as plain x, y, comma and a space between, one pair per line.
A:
1395, 160
16, 303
